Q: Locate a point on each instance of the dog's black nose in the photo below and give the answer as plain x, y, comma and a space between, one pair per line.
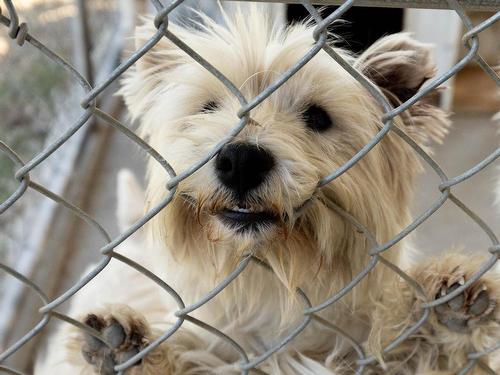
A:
242, 166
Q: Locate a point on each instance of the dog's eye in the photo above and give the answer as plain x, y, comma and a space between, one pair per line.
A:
210, 106
317, 119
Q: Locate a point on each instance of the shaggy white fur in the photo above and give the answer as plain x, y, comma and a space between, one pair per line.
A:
193, 249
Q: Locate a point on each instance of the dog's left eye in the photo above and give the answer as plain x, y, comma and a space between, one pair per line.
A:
317, 119
210, 106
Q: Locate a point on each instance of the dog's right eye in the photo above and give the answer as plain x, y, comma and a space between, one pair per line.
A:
317, 119
210, 106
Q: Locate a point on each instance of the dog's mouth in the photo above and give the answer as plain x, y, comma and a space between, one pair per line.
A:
242, 218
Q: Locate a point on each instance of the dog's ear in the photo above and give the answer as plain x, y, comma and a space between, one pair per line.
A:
141, 82
399, 66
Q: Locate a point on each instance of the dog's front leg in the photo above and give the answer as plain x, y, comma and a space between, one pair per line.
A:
468, 323
126, 332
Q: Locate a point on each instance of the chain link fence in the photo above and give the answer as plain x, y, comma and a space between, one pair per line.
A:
20, 32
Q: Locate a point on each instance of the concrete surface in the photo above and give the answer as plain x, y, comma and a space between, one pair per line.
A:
472, 138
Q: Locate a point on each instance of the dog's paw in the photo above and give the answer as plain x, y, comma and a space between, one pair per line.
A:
469, 309
122, 340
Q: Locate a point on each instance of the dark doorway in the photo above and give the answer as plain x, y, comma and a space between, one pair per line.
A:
363, 27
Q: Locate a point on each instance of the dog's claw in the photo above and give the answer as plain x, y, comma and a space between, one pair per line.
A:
93, 343
107, 366
456, 303
114, 335
468, 309
118, 344
125, 356
88, 355
481, 303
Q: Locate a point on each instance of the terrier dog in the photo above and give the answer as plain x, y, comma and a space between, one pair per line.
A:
246, 199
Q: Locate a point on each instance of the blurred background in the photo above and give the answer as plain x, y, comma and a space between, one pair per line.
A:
38, 101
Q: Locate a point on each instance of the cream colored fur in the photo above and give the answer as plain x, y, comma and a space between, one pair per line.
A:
318, 251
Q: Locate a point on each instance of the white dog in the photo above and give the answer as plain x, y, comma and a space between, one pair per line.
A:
245, 199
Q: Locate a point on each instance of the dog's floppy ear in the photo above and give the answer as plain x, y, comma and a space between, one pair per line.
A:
399, 66
141, 81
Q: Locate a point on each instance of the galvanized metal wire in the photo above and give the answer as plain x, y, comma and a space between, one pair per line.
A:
20, 32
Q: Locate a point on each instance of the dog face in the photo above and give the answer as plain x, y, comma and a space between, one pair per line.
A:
249, 193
